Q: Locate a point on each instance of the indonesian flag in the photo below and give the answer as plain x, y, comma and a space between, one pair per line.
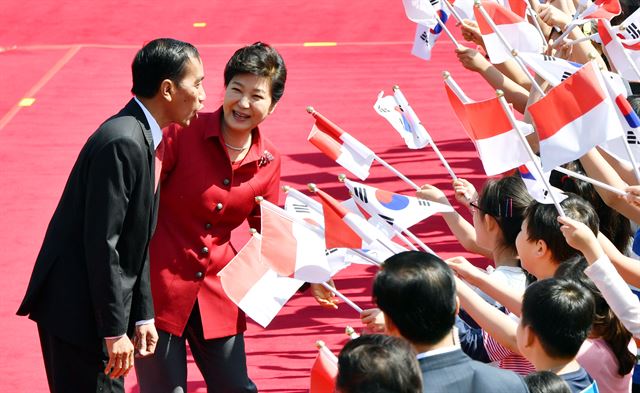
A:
420, 11
414, 134
426, 37
457, 102
291, 247
255, 288
536, 186
600, 9
519, 34
574, 117
324, 372
343, 148
518, 7
399, 211
622, 54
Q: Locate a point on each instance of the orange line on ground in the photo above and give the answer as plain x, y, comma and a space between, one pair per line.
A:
40, 84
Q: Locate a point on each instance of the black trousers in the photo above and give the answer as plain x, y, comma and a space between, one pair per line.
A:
74, 369
222, 362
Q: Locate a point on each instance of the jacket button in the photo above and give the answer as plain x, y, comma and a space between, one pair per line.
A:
207, 225
219, 206
205, 250
199, 275
226, 182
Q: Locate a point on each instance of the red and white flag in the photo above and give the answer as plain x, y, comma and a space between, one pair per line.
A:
255, 288
599, 9
574, 117
624, 55
291, 247
519, 34
399, 211
324, 372
340, 146
518, 7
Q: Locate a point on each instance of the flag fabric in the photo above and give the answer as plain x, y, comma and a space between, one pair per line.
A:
464, 8
343, 148
631, 126
629, 29
324, 372
426, 36
599, 9
458, 102
415, 136
623, 55
536, 187
518, 7
399, 211
420, 11
304, 208
255, 288
292, 247
520, 35
574, 117
552, 69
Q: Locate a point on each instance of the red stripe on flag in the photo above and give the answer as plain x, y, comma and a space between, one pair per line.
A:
279, 245
519, 7
323, 374
571, 99
487, 119
325, 143
337, 232
499, 15
327, 125
459, 109
605, 36
243, 271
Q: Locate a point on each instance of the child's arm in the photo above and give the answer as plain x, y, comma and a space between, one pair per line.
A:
511, 299
615, 291
628, 268
493, 321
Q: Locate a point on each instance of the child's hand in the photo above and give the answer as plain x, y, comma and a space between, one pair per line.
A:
633, 195
373, 319
553, 16
471, 32
465, 192
580, 237
433, 194
323, 296
471, 59
465, 270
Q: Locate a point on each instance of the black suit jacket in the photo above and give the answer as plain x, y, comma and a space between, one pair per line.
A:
91, 277
455, 372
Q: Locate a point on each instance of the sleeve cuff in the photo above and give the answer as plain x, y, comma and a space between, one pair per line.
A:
145, 322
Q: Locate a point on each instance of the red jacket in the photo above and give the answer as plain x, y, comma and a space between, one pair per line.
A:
202, 199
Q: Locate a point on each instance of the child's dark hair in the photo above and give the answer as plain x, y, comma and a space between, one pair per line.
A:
560, 312
546, 382
542, 224
605, 324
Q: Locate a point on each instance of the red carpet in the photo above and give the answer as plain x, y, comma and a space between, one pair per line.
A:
76, 87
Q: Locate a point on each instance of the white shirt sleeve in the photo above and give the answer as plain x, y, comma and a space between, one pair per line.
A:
616, 292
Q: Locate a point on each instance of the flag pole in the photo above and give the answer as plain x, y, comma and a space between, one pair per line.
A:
455, 87
446, 30
349, 331
365, 256
534, 16
583, 39
323, 348
419, 242
405, 240
395, 171
587, 179
514, 124
404, 104
513, 52
453, 11
341, 296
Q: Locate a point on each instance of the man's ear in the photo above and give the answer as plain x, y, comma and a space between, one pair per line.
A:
167, 89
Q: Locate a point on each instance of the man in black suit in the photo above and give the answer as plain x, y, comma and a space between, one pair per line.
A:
89, 290
417, 293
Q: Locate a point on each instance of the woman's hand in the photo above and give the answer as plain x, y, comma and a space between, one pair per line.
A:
323, 296
471, 32
465, 192
633, 195
471, 59
433, 194
373, 319
553, 16
465, 270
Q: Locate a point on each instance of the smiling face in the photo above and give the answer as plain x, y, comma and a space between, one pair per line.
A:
247, 102
188, 94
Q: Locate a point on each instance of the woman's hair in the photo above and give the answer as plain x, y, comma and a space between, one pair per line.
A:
605, 324
613, 225
546, 382
262, 60
375, 363
505, 200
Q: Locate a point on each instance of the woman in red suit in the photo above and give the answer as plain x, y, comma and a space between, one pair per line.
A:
212, 171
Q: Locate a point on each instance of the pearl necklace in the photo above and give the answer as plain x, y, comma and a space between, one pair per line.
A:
236, 148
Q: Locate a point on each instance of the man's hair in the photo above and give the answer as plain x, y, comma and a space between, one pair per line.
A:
560, 313
546, 382
417, 291
262, 60
160, 59
542, 224
376, 363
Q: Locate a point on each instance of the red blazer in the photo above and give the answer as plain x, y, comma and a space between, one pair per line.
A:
202, 199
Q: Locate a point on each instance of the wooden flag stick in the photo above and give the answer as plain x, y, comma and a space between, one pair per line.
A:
514, 124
